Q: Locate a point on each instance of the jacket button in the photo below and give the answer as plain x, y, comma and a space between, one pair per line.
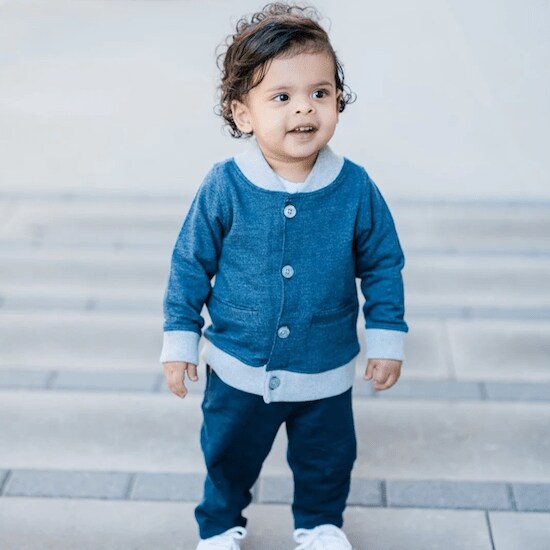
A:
283, 332
289, 211
288, 271
274, 383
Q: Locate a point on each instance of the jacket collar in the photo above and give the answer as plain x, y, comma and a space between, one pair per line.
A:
255, 168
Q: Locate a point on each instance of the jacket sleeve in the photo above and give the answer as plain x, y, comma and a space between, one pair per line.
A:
379, 261
194, 263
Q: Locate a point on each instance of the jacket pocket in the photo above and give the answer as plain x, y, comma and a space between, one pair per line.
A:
332, 337
334, 314
239, 322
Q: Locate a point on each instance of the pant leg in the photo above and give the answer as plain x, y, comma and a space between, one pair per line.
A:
321, 451
236, 436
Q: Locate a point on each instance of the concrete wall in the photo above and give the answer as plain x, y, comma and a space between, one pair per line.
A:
453, 95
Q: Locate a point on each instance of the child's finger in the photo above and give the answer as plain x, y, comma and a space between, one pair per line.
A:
175, 375
168, 370
192, 372
369, 372
178, 383
381, 374
387, 384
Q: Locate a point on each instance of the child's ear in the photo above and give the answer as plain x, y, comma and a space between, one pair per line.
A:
241, 116
338, 99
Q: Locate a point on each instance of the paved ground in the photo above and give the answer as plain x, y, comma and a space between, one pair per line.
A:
94, 452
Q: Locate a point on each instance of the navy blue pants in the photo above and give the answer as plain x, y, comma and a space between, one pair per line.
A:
237, 434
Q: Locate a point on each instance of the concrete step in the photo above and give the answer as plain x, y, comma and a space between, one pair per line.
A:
449, 227
113, 432
188, 487
492, 350
472, 281
119, 432
61, 296
90, 223
408, 387
84, 268
35, 524
81, 340
438, 285
460, 227
466, 350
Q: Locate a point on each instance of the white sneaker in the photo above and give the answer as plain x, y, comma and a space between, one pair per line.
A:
322, 537
225, 541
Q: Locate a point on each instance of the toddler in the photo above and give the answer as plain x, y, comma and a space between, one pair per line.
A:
285, 229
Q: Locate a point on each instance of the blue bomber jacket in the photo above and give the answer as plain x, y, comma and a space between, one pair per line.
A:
277, 272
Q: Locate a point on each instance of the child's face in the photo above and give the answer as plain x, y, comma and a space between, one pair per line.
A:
293, 112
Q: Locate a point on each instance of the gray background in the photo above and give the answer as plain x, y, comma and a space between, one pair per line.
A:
112, 95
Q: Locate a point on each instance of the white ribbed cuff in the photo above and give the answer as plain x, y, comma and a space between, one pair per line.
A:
180, 345
384, 344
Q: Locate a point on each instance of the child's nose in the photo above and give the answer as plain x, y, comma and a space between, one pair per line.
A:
304, 107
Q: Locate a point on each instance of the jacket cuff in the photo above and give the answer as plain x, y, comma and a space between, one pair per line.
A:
180, 345
384, 344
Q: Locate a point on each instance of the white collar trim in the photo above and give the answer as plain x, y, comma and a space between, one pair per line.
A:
255, 168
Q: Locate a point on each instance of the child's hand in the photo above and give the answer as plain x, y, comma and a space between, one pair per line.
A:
174, 372
384, 372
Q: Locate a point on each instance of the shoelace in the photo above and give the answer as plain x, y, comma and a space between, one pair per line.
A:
323, 533
227, 540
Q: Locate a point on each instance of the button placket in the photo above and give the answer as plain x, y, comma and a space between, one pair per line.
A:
287, 271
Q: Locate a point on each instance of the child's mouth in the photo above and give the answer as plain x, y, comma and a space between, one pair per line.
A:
303, 130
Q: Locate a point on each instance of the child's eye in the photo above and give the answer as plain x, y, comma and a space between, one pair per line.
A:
319, 94
281, 97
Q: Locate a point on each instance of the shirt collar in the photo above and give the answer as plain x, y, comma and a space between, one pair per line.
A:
255, 168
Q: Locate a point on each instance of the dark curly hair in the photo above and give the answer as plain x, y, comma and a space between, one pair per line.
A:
279, 29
